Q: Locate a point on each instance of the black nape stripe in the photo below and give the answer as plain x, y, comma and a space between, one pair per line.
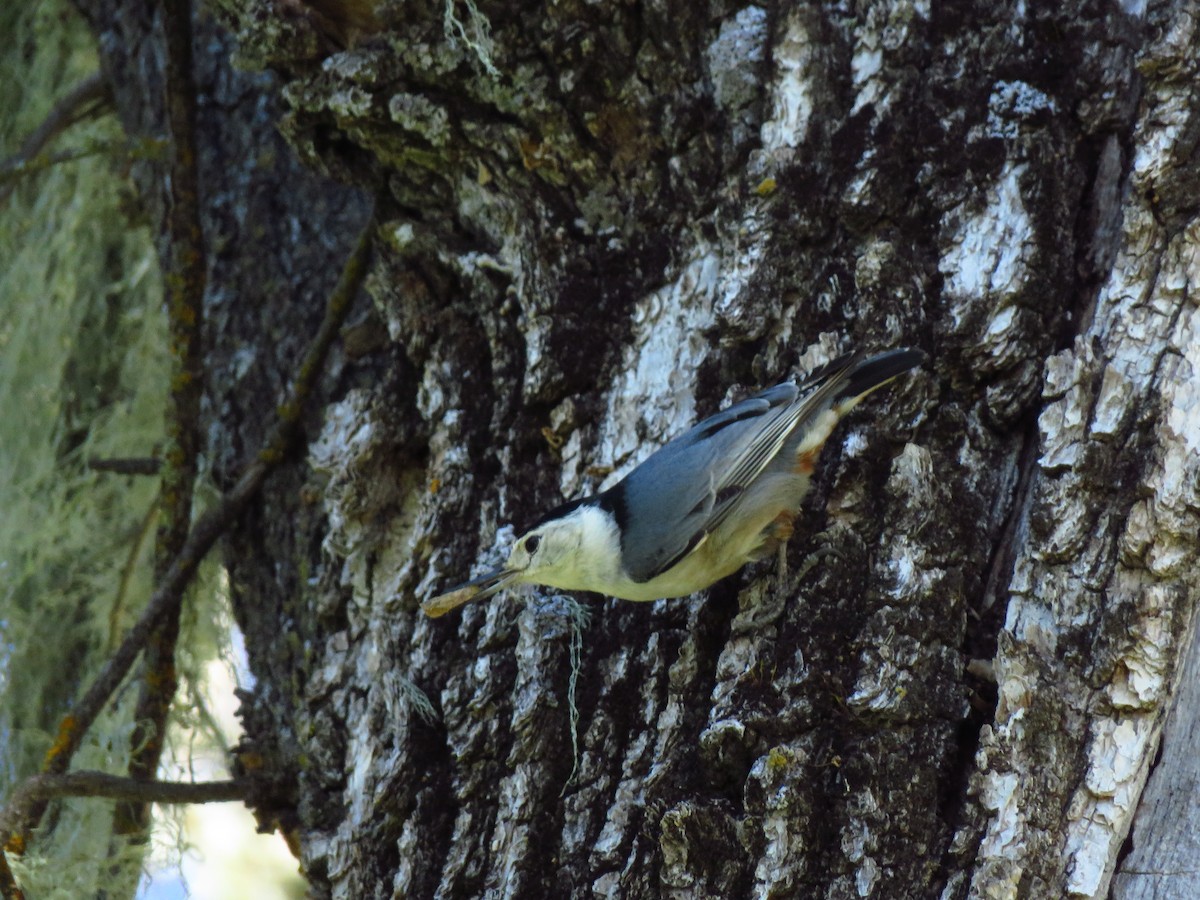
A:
561, 510
613, 501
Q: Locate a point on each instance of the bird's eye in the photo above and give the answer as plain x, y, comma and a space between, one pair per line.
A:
531, 544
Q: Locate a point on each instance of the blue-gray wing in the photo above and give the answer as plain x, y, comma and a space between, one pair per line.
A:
670, 502
684, 490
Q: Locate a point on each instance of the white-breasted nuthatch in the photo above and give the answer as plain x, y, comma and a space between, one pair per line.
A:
722, 494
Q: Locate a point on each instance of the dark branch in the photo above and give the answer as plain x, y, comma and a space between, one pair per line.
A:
40, 789
77, 103
81, 101
185, 283
126, 465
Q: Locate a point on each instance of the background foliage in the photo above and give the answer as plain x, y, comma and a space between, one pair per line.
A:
83, 374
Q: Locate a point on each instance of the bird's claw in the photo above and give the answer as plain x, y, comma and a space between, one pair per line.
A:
825, 548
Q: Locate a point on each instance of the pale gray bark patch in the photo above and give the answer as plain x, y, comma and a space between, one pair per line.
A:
1164, 846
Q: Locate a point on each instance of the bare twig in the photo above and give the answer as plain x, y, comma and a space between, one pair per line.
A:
206, 530
41, 788
126, 465
79, 102
143, 149
13, 171
128, 571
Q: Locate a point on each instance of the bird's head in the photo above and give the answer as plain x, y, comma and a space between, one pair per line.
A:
552, 552
548, 553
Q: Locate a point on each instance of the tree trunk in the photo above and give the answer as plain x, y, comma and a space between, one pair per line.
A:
599, 222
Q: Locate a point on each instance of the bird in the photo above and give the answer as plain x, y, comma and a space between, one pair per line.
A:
724, 493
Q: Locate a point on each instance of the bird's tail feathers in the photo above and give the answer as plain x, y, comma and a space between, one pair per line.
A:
866, 375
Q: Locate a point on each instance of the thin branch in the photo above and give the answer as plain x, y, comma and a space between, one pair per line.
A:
128, 571
126, 465
79, 102
41, 788
76, 104
185, 282
207, 528
10, 174
148, 148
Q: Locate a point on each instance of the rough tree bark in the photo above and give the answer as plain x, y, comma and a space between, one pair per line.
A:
600, 221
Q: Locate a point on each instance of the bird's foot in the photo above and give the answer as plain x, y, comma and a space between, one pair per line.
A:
823, 550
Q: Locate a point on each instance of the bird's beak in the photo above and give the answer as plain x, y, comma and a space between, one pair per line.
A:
483, 586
